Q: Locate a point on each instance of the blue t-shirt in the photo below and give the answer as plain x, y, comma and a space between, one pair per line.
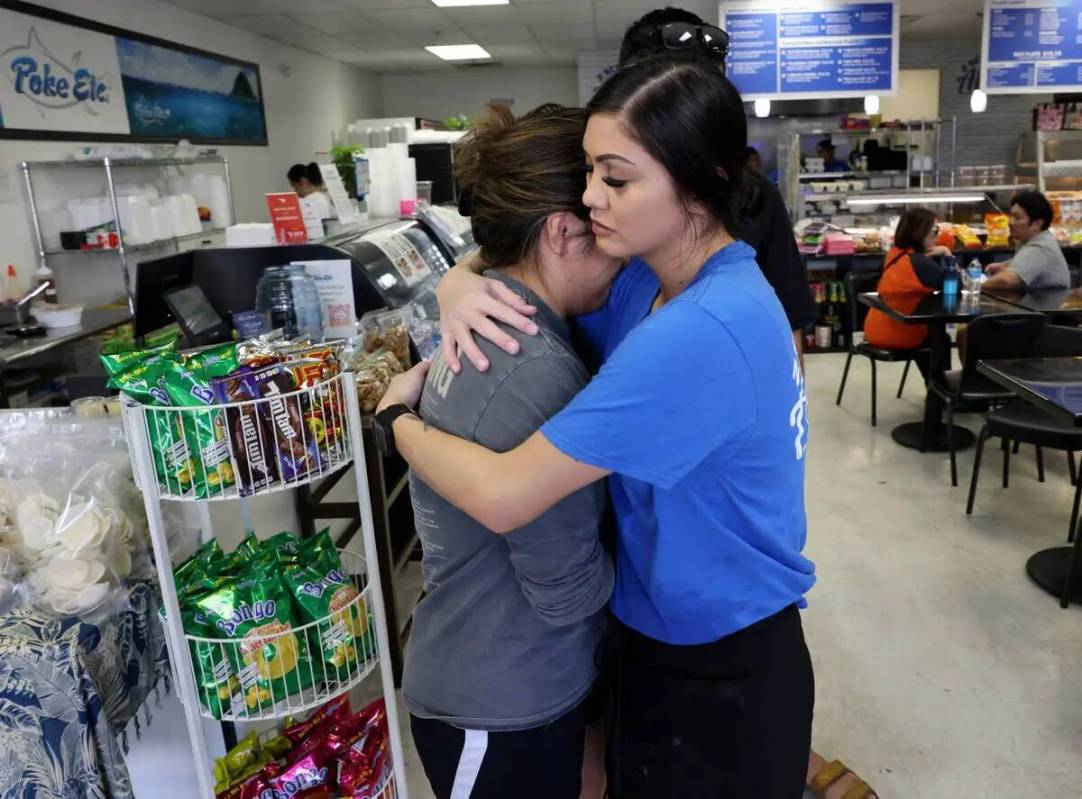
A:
701, 414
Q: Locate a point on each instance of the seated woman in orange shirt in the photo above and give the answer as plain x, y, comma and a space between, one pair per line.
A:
910, 268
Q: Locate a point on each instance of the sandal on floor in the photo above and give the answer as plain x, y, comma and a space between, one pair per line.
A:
831, 773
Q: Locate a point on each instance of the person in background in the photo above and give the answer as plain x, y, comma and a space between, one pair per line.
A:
825, 150
755, 160
1039, 261
520, 616
307, 181
909, 268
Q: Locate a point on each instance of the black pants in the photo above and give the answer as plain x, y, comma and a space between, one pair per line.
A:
726, 720
936, 336
540, 763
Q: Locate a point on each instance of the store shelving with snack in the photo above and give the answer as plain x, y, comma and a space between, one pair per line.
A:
290, 623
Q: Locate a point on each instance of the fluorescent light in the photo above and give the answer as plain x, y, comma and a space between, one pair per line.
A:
871, 104
978, 101
762, 108
906, 199
460, 3
458, 52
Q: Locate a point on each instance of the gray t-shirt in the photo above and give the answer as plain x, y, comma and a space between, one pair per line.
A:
1040, 263
507, 634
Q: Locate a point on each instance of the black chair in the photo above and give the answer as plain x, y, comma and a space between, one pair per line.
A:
1022, 422
858, 283
1007, 335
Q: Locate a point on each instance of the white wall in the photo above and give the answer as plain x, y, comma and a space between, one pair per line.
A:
319, 96
437, 95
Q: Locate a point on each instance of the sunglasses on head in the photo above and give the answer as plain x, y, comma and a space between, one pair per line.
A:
684, 35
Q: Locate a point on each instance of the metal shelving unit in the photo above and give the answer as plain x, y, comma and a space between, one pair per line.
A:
1048, 146
936, 178
238, 471
109, 165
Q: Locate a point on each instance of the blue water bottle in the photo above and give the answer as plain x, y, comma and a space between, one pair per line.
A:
951, 278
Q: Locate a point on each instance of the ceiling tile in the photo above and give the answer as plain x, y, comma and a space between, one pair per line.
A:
335, 22
430, 18
273, 25
483, 15
568, 13
233, 8
486, 35
579, 36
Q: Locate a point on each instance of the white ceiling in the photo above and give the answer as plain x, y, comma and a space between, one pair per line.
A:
389, 36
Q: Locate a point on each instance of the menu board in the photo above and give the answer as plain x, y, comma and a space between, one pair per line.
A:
808, 49
812, 49
1031, 46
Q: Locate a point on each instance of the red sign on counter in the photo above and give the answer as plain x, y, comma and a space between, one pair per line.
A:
285, 213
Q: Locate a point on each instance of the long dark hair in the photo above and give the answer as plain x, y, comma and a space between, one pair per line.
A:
690, 119
516, 173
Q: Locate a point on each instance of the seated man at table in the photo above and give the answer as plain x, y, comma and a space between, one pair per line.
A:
1039, 262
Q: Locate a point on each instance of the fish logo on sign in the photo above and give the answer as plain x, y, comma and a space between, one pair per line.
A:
151, 113
50, 83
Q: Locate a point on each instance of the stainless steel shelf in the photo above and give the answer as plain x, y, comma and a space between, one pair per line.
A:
120, 162
149, 245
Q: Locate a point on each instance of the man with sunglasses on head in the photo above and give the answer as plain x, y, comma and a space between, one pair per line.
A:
674, 33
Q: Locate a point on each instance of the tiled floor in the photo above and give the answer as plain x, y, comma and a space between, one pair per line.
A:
941, 671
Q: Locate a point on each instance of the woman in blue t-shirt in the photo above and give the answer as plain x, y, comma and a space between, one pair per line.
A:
698, 420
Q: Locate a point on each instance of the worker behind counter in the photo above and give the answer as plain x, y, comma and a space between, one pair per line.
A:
1039, 261
825, 150
307, 181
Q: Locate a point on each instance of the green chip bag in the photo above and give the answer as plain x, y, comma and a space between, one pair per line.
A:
280, 548
324, 593
115, 363
271, 662
173, 463
205, 431
215, 678
212, 362
240, 762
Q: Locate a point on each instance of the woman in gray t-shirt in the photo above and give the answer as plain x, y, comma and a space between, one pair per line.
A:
503, 648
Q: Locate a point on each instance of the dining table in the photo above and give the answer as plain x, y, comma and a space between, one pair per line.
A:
1055, 386
1059, 304
936, 311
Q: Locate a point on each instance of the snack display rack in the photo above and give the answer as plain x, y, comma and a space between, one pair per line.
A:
356, 628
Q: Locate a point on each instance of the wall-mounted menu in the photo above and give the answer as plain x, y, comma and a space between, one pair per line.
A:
1031, 46
807, 49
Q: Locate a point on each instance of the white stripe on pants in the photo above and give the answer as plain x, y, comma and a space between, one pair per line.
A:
469, 763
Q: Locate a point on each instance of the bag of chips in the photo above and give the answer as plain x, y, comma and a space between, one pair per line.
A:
309, 775
324, 593
116, 363
216, 682
173, 463
999, 230
271, 662
245, 759
204, 430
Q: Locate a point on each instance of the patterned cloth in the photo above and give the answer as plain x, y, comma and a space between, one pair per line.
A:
68, 688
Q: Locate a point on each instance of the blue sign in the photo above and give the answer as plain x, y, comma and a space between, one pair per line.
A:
1032, 46
811, 49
